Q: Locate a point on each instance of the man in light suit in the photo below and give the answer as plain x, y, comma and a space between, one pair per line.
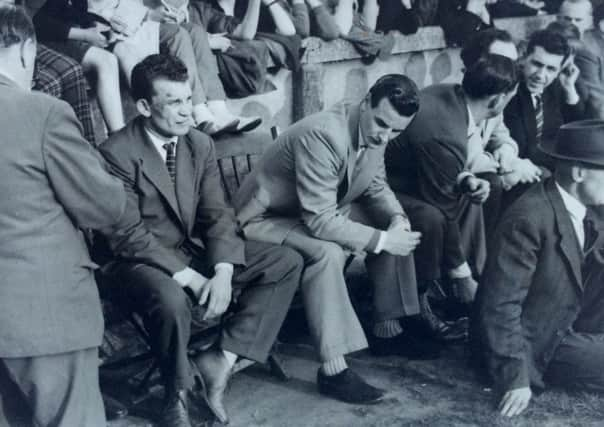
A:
178, 244
52, 184
300, 196
540, 303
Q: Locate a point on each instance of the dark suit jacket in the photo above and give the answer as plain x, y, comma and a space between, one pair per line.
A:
519, 117
166, 224
52, 183
425, 159
531, 289
458, 24
590, 84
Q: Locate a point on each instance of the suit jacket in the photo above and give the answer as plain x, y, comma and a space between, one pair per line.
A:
458, 24
166, 224
425, 160
531, 289
52, 183
590, 84
493, 135
519, 117
310, 175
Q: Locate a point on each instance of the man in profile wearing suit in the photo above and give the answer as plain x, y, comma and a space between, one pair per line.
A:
300, 196
540, 304
178, 244
52, 184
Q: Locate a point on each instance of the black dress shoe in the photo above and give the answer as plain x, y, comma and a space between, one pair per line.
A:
175, 412
405, 345
349, 387
113, 408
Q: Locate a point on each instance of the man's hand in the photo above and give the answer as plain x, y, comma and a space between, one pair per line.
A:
93, 35
515, 401
505, 156
217, 292
406, 4
476, 188
567, 78
400, 241
218, 41
189, 278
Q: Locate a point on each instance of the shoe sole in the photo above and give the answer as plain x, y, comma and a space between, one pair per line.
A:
350, 402
250, 126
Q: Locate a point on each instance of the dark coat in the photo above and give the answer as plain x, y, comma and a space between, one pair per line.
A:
519, 117
458, 24
531, 290
166, 224
52, 184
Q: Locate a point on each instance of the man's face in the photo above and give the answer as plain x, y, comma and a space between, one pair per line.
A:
170, 110
578, 14
540, 68
507, 49
591, 190
382, 123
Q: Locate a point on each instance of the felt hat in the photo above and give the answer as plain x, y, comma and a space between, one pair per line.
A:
582, 141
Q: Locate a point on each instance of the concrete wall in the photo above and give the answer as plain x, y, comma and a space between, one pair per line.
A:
332, 71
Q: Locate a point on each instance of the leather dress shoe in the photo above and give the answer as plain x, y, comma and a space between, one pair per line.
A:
428, 324
349, 387
175, 412
215, 372
405, 345
247, 124
113, 408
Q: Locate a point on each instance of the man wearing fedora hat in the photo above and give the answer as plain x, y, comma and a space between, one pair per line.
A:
539, 314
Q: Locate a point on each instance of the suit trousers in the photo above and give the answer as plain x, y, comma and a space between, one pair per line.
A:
332, 320
59, 390
266, 286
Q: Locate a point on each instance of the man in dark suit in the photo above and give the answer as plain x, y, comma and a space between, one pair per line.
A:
52, 184
178, 245
539, 306
591, 86
300, 196
428, 164
547, 96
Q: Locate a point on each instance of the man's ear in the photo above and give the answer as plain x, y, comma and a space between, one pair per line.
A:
143, 107
578, 173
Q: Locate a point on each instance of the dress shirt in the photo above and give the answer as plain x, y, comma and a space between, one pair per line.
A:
577, 212
159, 142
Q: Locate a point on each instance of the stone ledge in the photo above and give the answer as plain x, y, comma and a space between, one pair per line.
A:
427, 38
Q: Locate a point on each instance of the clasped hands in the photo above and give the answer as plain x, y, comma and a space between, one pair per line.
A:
400, 240
216, 292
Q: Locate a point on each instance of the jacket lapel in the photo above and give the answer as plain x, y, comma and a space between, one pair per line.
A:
353, 131
185, 179
528, 116
155, 170
568, 240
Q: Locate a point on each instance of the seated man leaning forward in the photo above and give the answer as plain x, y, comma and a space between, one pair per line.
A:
177, 245
300, 196
540, 305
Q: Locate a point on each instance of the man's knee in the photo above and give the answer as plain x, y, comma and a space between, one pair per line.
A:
172, 304
428, 220
329, 253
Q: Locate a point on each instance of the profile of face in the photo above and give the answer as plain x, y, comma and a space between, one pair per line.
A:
381, 123
170, 111
540, 68
579, 14
591, 188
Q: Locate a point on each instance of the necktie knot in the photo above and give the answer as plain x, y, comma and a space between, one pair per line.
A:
170, 148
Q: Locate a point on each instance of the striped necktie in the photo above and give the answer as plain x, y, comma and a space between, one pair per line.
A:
539, 116
170, 148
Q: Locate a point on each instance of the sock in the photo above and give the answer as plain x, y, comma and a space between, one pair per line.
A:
387, 328
230, 357
460, 272
334, 366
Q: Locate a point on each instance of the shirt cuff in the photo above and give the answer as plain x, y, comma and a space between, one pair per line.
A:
227, 267
381, 242
463, 175
183, 276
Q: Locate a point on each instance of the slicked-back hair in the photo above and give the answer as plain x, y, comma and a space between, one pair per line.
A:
15, 26
478, 45
490, 75
551, 41
400, 90
155, 67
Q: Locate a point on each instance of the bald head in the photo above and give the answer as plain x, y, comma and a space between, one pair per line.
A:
577, 12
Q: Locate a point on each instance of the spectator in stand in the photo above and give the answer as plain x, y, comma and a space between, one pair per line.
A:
312, 18
460, 19
547, 95
85, 43
52, 185
274, 18
404, 16
577, 12
594, 87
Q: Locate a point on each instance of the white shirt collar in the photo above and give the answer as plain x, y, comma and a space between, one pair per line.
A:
158, 143
472, 128
576, 210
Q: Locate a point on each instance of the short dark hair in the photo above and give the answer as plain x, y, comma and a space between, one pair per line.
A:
15, 26
598, 14
155, 67
478, 45
551, 41
490, 75
400, 90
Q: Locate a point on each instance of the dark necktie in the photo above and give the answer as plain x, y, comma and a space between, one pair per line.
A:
539, 116
591, 234
170, 148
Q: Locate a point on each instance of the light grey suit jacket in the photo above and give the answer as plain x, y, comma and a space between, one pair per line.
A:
52, 183
311, 175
